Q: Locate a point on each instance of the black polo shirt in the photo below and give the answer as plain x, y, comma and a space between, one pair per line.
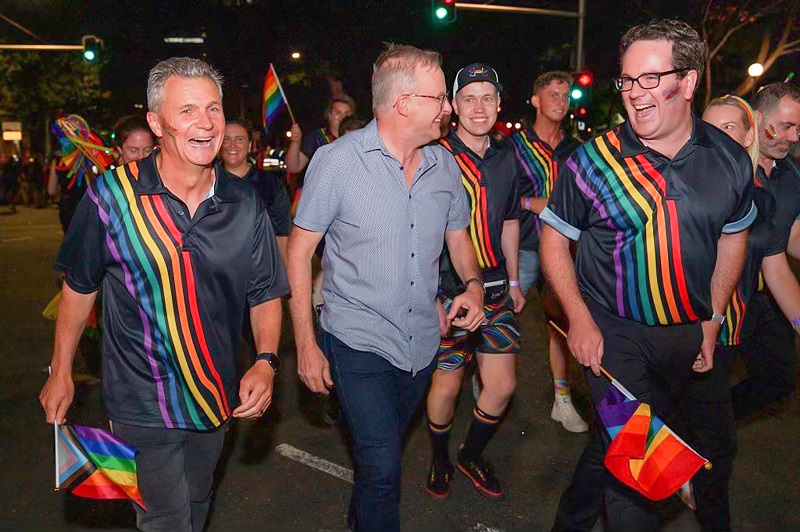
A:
174, 291
492, 197
649, 225
271, 189
315, 140
537, 169
764, 241
784, 185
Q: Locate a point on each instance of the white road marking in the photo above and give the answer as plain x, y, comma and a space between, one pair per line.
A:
484, 528
17, 239
293, 453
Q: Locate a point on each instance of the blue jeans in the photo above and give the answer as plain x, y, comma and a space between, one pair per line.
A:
378, 401
528, 268
175, 469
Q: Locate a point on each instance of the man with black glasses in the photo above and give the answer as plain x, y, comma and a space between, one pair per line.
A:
662, 248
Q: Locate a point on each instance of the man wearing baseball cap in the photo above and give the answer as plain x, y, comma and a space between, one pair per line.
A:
488, 176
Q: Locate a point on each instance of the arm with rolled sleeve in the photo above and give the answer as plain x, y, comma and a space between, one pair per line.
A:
565, 216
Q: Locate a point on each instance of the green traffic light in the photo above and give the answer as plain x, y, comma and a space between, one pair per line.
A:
89, 55
577, 94
441, 13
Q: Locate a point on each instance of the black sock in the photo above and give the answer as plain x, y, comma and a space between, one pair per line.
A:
480, 432
440, 440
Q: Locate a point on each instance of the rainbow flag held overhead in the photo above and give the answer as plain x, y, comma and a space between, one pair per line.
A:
94, 463
274, 97
644, 454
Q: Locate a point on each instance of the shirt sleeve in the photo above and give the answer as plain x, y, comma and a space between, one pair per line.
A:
267, 275
319, 201
568, 208
309, 146
81, 257
279, 207
513, 209
458, 216
745, 213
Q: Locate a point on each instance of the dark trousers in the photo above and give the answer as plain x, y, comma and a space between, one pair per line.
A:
712, 433
769, 355
378, 401
654, 364
175, 469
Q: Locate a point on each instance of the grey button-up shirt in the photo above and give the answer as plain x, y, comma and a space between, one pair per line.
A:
382, 243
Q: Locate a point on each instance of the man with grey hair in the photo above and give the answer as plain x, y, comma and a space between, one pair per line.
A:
660, 254
386, 201
178, 246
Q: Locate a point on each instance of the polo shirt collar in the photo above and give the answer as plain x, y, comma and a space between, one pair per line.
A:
149, 181
460, 147
630, 145
371, 141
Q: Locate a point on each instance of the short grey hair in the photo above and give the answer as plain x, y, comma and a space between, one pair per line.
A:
769, 96
394, 72
184, 67
688, 49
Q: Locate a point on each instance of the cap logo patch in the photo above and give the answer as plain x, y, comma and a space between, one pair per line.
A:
478, 71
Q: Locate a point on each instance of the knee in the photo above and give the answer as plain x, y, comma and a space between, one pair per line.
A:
446, 387
379, 467
502, 389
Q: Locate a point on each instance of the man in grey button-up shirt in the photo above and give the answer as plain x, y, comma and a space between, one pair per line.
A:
385, 201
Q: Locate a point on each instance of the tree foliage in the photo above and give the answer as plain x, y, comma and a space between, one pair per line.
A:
37, 86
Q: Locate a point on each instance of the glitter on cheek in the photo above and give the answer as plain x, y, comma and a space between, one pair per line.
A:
771, 132
670, 93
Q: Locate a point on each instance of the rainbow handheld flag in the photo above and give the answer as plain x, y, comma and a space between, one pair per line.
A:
94, 463
644, 454
274, 99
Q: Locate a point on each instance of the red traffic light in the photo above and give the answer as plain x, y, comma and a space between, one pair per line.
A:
581, 111
448, 2
584, 79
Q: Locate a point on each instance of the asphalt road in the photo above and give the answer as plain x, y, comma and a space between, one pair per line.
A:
260, 488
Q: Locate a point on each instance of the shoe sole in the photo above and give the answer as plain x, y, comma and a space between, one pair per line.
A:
483, 491
438, 496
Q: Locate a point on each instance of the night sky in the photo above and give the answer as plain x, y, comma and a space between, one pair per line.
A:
242, 39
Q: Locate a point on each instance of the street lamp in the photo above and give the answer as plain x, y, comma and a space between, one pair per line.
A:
755, 70
295, 55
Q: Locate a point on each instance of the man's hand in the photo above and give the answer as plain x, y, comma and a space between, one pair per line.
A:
517, 297
585, 341
56, 397
705, 359
297, 133
444, 323
313, 369
255, 391
471, 301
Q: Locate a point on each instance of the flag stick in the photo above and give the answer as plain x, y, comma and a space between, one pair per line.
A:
55, 439
283, 94
618, 385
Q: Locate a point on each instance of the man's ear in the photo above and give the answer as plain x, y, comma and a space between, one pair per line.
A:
155, 123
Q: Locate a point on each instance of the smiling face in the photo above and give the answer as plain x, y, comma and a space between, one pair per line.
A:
778, 130
660, 113
552, 101
476, 106
426, 114
235, 146
339, 111
728, 118
190, 121
137, 145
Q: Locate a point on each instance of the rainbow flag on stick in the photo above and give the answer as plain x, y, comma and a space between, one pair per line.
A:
94, 463
274, 98
644, 454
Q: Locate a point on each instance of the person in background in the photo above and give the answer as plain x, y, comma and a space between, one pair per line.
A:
134, 139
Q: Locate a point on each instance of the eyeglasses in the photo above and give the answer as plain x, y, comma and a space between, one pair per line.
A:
441, 98
649, 80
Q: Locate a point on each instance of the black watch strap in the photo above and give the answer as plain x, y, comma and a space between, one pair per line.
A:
272, 359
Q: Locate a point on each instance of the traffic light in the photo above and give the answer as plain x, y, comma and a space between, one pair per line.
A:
92, 46
584, 79
443, 11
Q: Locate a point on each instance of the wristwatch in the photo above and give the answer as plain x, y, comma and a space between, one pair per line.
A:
272, 359
719, 318
474, 280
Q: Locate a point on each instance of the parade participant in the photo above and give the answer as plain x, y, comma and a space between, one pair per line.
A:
537, 169
134, 139
178, 246
768, 343
301, 150
488, 177
386, 201
712, 430
236, 146
659, 256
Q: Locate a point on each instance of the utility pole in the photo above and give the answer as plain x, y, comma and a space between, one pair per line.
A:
580, 15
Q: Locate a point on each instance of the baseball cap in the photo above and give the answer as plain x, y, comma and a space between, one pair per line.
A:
476, 72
